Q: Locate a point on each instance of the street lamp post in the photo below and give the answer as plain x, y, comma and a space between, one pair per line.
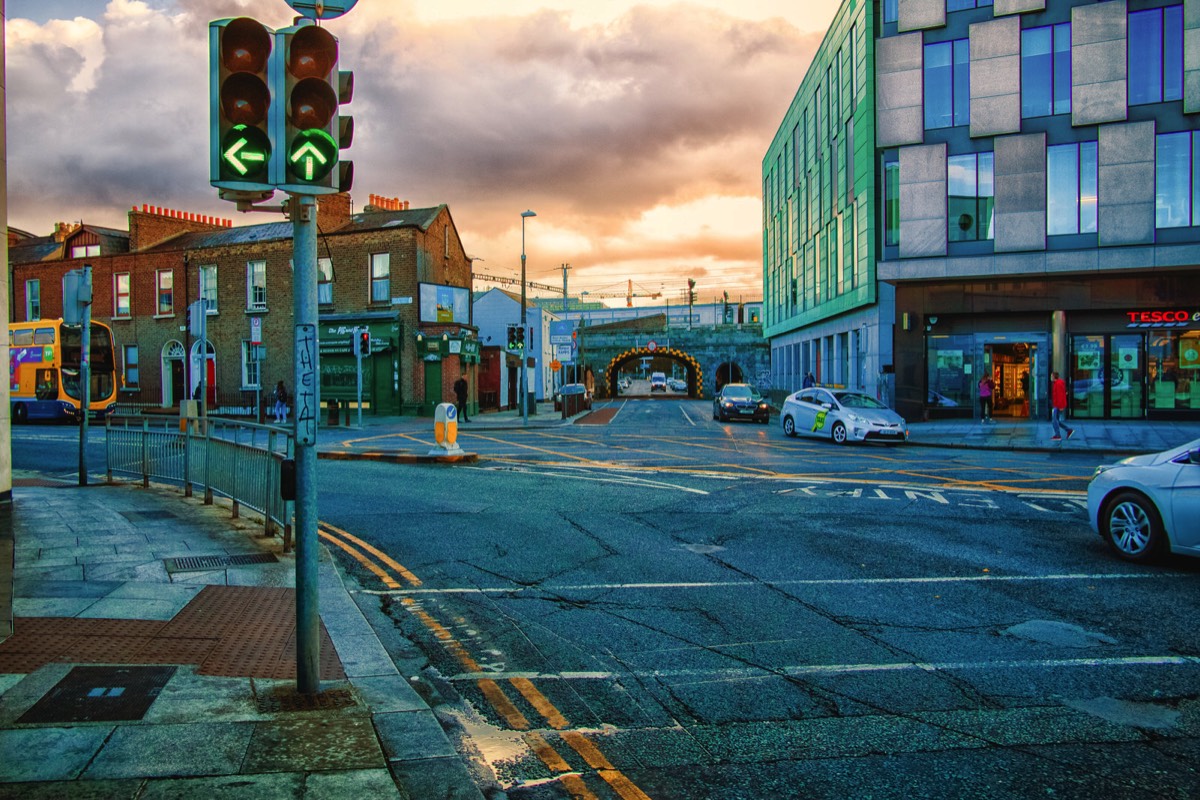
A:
524, 395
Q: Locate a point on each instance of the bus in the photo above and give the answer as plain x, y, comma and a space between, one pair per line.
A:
43, 370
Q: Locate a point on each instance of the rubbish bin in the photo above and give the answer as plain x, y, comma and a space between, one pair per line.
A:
572, 395
334, 408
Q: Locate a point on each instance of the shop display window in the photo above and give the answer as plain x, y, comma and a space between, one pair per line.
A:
951, 368
1086, 380
1173, 366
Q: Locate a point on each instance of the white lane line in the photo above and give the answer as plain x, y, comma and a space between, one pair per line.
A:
630, 480
748, 673
683, 411
607, 587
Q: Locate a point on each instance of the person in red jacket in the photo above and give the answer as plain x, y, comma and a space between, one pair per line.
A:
1058, 403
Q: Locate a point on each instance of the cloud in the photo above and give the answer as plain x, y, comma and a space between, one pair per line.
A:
593, 125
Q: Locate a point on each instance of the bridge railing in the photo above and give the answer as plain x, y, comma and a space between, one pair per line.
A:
238, 460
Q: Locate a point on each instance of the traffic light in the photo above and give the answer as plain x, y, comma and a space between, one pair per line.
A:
308, 127
355, 343
364, 341
240, 93
512, 337
520, 337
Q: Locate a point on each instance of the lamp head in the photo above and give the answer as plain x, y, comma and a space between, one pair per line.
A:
528, 214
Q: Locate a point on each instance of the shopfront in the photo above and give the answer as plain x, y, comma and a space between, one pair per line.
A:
1137, 363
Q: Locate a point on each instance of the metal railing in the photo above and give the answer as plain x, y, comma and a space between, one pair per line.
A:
238, 460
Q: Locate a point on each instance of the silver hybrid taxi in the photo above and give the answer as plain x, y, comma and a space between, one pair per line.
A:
841, 415
1148, 505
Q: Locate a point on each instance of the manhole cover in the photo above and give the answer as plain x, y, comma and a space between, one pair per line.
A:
100, 694
195, 563
134, 516
327, 700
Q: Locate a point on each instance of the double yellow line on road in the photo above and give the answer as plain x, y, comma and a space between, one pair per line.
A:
391, 572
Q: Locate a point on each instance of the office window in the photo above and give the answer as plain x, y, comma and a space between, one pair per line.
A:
131, 366
256, 285
890, 7
85, 250
1155, 52
891, 202
208, 288
381, 277
963, 5
324, 281
947, 84
1046, 70
1071, 188
250, 367
33, 300
121, 294
1176, 195
164, 280
970, 197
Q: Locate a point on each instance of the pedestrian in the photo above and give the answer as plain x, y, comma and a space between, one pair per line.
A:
280, 399
460, 395
1058, 404
809, 381
985, 397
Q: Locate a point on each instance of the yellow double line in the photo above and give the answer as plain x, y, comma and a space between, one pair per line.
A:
387, 569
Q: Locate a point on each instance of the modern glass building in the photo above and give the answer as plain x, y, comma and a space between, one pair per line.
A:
1039, 166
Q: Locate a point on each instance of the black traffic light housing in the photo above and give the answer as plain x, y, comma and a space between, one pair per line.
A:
520, 337
240, 135
512, 337
364, 342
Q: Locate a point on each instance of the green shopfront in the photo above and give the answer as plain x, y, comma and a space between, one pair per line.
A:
380, 369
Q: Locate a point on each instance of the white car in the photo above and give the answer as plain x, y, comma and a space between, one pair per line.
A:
1146, 505
841, 415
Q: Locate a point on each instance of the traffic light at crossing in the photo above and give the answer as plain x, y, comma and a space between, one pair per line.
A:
240, 140
364, 341
512, 337
309, 130
520, 337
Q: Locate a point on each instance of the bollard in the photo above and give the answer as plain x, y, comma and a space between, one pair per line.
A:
445, 430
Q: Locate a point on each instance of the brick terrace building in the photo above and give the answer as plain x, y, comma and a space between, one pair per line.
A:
371, 267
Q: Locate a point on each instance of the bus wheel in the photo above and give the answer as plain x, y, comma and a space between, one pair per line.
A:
19, 413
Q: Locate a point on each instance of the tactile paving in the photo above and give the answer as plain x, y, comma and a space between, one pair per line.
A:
231, 631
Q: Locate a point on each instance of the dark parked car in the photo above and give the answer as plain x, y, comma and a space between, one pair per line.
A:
740, 401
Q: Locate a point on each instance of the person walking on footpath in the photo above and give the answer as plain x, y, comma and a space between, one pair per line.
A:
280, 408
460, 396
809, 381
1058, 404
985, 397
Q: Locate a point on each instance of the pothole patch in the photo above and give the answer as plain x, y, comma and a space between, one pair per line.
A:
1062, 634
1127, 712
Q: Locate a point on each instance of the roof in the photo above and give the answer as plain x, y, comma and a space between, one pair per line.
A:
516, 298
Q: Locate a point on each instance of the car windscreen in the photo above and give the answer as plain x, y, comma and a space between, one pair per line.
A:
740, 393
856, 400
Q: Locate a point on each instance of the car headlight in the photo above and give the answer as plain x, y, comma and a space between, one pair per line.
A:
1100, 470
763, 405
850, 415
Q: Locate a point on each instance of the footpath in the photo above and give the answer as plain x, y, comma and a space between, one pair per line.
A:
152, 644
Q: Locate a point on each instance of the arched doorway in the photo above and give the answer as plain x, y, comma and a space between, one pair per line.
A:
728, 372
173, 378
660, 356
194, 373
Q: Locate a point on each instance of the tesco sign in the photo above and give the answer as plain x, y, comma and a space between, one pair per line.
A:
1173, 318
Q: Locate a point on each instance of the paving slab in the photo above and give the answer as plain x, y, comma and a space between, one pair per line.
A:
61, 752
271, 786
308, 742
412, 734
385, 693
198, 748
361, 783
127, 789
364, 655
443, 778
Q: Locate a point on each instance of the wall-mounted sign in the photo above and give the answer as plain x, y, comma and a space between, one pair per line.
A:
444, 303
1162, 318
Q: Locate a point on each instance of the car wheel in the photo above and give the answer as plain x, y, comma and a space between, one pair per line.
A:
1132, 527
789, 426
838, 433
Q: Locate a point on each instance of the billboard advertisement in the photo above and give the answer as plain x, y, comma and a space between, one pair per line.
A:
444, 303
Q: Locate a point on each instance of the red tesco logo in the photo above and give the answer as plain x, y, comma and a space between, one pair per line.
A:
1158, 316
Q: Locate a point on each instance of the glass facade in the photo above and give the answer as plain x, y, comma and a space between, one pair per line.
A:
1046, 70
1071, 188
970, 197
1155, 51
947, 83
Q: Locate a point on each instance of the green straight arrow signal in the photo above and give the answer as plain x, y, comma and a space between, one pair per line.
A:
312, 154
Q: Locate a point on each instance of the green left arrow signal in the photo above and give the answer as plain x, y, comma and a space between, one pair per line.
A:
311, 155
245, 152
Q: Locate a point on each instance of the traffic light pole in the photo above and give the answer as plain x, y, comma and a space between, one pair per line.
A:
85, 374
307, 402
358, 373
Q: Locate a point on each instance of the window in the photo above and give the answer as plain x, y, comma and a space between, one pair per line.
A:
890, 8
1071, 188
165, 281
33, 300
85, 250
1155, 51
208, 288
970, 197
381, 283
250, 366
963, 5
256, 285
947, 84
121, 294
891, 202
1176, 195
1046, 70
324, 281
131, 366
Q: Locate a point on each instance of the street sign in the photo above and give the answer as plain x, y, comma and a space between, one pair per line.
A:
556, 365
651, 345
564, 353
256, 330
561, 332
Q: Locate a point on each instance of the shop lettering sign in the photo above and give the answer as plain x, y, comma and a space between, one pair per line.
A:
1177, 318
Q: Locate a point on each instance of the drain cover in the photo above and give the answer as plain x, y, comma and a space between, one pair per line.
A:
100, 694
327, 700
194, 563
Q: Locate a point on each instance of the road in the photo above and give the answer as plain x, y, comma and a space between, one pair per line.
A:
667, 607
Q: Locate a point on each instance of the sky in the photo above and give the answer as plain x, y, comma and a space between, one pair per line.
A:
634, 129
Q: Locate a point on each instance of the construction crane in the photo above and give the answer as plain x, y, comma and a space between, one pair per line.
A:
627, 294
